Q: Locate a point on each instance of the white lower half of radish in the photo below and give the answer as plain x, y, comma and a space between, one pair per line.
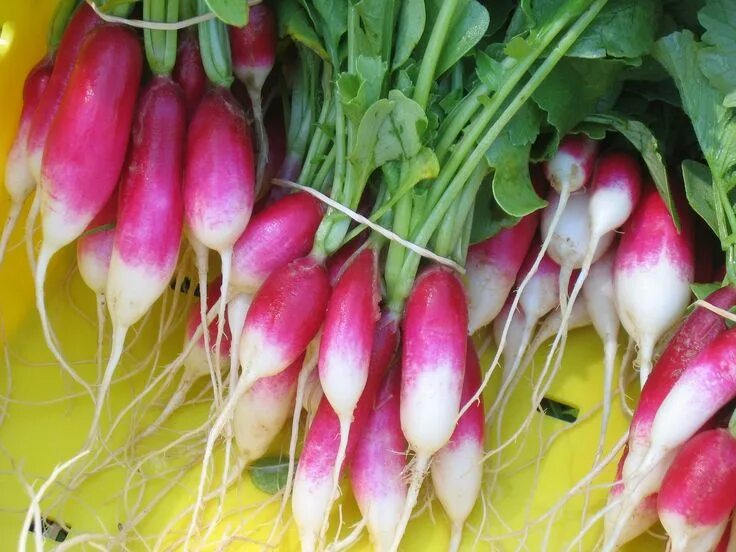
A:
487, 289
685, 537
195, 363
457, 471
382, 515
132, 290
309, 502
259, 356
93, 268
642, 519
342, 380
59, 227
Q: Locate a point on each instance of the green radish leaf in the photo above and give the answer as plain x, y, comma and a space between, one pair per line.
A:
717, 60
623, 29
330, 19
358, 91
467, 28
232, 12
295, 24
701, 291
412, 18
488, 218
269, 474
699, 190
489, 70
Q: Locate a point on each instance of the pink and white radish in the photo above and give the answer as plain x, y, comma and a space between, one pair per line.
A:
652, 274
513, 337
313, 484
698, 492
346, 344
218, 189
457, 469
569, 170
433, 367
85, 148
491, 269
253, 50
706, 385
19, 181
188, 70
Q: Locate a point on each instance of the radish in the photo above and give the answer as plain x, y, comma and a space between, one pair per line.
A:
345, 346
149, 226
253, 50
457, 469
189, 72
313, 484
491, 269
698, 492
94, 250
568, 171
18, 178
284, 317
707, 383
514, 335
652, 274
85, 148
433, 365
379, 462
337, 261
728, 539
218, 188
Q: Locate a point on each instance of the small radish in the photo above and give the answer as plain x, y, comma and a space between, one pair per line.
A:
337, 261
379, 462
189, 72
218, 187
312, 495
18, 178
491, 270
514, 335
432, 369
346, 343
569, 170
85, 148
652, 274
94, 250
253, 50
457, 469
698, 492
706, 384
728, 539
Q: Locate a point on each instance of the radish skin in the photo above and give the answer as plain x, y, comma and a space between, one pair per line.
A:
433, 365
379, 462
513, 339
457, 468
652, 274
19, 181
188, 70
698, 492
312, 494
85, 148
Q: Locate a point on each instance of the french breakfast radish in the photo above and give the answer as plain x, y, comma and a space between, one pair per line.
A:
253, 50
432, 370
188, 70
491, 269
513, 337
150, 217
652, 274
19, 181
457, 468
346, 344
85, 147
698, 492
313, 484
378, 465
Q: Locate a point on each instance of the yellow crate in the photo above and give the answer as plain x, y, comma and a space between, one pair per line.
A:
37, 437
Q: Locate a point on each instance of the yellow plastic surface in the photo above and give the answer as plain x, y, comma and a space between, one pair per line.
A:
45, 416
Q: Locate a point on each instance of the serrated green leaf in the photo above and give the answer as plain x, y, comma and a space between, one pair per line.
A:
699, 191
232, 12
269, 474
359, 90
717, 59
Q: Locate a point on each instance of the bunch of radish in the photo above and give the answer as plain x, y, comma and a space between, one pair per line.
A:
330, 233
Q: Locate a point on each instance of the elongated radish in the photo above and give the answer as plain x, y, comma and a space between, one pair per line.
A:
514, 335
85, 148
253, 50
698, 492
433, 365
706, 384
337, 261
80, 24
19, 181
149, 226
492, 267
346, 344
188, 71
652, 274
378, 465
568, 171
285, 315
94, 250
457, 469
218, 187
314, 476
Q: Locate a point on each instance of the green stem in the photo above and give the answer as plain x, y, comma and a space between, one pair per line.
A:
456, 120
320, 179
320, 141
437, 209
433, 51
160, 45
214, 45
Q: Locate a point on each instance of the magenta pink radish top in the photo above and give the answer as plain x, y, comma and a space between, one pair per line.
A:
189, 71
254, 45
507, 249
618, 171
